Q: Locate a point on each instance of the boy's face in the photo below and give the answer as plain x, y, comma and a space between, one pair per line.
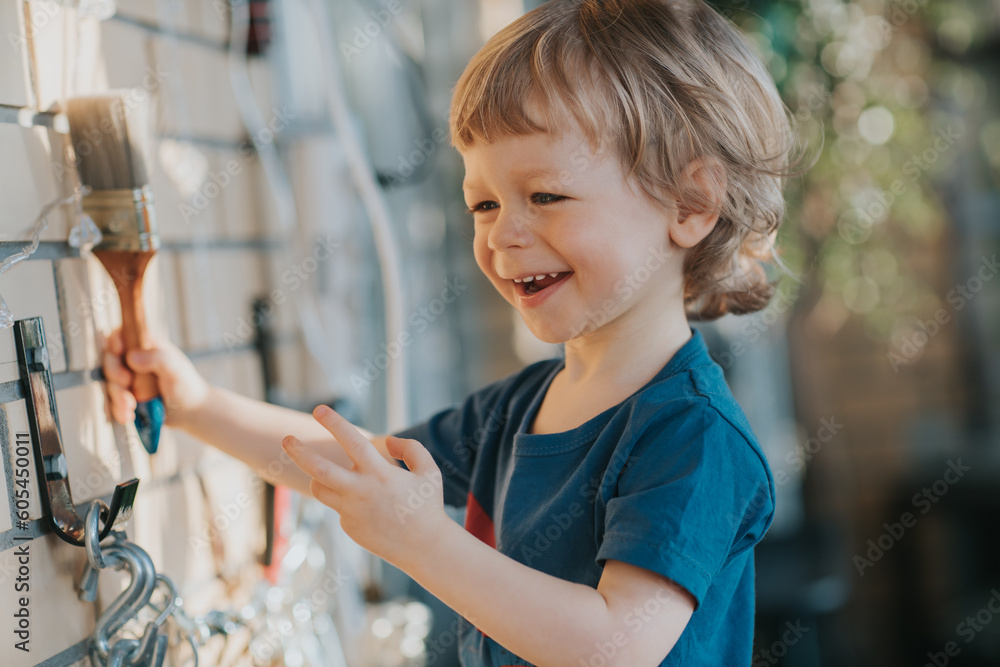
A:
545, 205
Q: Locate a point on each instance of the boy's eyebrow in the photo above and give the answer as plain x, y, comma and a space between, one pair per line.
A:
526, 173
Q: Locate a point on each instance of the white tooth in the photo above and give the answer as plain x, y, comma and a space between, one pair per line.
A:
517, 280
529, 279
553, 275
539, 277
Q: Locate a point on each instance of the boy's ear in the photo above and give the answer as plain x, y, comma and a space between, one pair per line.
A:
695, 219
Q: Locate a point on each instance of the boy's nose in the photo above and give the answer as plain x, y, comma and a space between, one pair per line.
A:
510, 229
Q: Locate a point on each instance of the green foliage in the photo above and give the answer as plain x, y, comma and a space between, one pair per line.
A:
879, 98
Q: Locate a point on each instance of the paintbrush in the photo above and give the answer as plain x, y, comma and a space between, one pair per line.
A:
110, 139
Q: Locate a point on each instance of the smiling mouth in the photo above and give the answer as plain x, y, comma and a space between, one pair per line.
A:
531, 286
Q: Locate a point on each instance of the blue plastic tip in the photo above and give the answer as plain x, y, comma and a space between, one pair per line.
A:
149, 417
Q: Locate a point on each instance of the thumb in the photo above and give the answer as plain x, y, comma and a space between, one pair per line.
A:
412, 453
146, 360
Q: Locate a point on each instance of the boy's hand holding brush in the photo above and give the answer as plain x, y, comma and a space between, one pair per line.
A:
183, 390
245, 428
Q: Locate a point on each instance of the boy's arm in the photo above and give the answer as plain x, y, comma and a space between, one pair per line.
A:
247, 429
251, 431
633, 618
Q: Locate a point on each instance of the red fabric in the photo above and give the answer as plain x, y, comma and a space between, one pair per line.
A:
478, 522
282, 524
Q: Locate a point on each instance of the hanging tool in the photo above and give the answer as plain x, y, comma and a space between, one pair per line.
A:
50, 459
108, 133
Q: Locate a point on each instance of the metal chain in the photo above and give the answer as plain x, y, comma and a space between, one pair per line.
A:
150, 650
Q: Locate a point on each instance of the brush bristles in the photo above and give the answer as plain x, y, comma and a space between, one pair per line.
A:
109, 139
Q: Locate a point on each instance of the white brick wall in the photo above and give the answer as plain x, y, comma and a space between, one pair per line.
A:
33, 294
14, 63
28, 178
199, 288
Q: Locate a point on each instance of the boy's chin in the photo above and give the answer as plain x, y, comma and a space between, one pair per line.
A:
551, 335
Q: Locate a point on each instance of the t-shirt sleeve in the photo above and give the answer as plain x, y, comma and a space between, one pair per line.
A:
454, 436
692, 495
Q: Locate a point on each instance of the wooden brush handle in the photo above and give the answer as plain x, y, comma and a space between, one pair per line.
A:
127, 270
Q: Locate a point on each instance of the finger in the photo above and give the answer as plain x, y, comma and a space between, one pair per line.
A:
115, 343
115, 371
149, 361
325, 494
413, 454
318, 467
122, 404
358, 447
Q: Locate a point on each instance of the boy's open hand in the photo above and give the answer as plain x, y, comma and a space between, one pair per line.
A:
389, 511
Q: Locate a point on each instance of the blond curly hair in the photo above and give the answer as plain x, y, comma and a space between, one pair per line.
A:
660, 83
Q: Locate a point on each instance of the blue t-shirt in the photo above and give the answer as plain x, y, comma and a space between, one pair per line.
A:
671, 480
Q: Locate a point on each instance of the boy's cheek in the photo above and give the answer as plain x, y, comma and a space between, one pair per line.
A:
481, 252
483, 257
504, 290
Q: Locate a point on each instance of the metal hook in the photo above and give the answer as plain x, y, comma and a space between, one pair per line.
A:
95, 559
171, 599
50, 459
92, 535
121, 652
194, 631
152, 648
132, 600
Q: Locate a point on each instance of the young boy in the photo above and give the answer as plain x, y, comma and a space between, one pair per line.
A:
623, 170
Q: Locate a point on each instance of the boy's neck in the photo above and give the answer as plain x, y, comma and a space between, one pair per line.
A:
627, 355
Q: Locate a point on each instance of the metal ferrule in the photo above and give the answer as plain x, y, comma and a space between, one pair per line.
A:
125, 217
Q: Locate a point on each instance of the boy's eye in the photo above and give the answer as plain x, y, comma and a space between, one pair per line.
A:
481, 206
545, 198
538, 198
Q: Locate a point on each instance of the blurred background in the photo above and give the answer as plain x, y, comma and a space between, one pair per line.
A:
311, 214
